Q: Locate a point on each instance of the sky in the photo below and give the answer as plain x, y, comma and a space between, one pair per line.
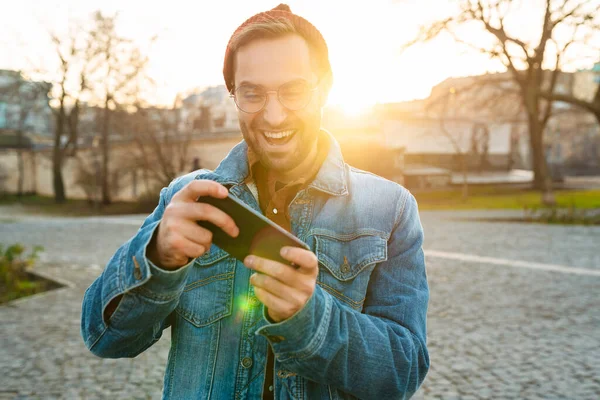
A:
363, 37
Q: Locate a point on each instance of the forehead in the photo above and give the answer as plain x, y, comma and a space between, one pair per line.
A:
272, 62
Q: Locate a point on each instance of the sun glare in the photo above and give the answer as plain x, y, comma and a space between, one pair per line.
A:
356, 109
353, 103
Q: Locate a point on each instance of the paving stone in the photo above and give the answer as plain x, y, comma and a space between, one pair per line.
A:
493, 331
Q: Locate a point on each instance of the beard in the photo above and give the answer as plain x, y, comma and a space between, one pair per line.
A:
305, 138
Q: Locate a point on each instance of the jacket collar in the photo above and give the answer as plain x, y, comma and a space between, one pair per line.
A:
331, 178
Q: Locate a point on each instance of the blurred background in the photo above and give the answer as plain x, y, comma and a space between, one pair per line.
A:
488, 111
110, 102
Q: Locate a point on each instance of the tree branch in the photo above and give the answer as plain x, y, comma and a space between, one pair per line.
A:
570, 99
571, 13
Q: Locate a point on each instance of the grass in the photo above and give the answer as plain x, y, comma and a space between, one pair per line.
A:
480, 197
34, 204
488, 197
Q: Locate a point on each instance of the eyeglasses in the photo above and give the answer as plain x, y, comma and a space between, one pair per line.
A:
292, 95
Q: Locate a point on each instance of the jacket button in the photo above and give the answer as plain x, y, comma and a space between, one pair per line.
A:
345, 266
137, 272
246, 362
276, 339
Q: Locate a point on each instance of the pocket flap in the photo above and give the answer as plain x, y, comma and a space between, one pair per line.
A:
213, 255
345, 257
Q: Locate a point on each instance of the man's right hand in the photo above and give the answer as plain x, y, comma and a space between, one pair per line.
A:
178, 237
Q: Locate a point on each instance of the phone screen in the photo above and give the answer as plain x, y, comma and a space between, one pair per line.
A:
258, 235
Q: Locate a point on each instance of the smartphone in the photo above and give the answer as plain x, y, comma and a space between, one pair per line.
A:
258, 235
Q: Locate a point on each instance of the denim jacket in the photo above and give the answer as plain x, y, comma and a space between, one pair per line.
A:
362, 334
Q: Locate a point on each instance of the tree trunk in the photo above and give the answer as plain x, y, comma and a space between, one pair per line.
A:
465, 185
57, 159
21, 168
105, 155
58, 183
542, 180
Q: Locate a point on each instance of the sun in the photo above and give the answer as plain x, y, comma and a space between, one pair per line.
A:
352, 103
356, 108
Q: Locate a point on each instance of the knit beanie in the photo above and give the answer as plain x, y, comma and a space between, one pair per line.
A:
304, 28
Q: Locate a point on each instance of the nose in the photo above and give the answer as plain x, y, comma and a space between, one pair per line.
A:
274, 113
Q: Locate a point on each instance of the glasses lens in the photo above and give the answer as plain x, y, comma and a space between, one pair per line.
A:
295, 95
250, 99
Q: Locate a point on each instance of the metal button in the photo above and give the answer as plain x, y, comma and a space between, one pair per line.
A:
271, 388
275, 211
254, 301
137, 272
276, 339
246, 362
345, 266
282, 374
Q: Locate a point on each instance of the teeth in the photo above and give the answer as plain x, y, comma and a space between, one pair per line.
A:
278, 135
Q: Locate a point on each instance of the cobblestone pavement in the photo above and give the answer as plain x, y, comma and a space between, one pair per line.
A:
494, 331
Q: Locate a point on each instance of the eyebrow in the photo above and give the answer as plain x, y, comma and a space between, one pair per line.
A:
248, 83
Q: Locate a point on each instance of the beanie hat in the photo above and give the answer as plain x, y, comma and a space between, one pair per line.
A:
282, 12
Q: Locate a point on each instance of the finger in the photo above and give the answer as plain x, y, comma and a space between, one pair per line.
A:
306, 261
195, 233
281, 272
201, 187
205, 212
184, 246
217, 217
275, 305
277, 288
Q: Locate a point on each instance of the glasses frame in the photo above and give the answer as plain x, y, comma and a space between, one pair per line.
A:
276, 92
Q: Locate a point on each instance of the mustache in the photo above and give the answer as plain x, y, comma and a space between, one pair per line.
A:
275, 129
285, 126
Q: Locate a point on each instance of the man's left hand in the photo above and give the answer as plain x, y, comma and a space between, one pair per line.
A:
281, 288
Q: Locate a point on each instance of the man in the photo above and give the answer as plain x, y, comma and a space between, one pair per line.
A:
349, 322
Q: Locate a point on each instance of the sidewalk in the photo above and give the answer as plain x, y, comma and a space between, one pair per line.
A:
42, 355
514, 313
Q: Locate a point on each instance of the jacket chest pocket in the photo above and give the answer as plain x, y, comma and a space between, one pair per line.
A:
208, 295
346, 263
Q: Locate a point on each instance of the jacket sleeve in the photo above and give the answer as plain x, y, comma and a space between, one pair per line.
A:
379, 353
148, 296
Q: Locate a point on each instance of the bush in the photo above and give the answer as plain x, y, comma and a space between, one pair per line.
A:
15, 280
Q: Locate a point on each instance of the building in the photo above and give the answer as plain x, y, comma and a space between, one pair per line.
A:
210, 110
572, 135
24, 106
586, 83
409, 143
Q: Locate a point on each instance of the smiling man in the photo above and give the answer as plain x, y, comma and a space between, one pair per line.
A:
349, 322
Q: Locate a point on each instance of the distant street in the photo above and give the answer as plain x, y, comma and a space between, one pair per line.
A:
514, 312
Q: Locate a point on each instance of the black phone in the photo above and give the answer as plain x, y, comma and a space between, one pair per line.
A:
258, 235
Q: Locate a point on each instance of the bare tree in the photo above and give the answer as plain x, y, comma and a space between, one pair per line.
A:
592, 105
162, 149
75, 55
441, 109
564, 23
121, 64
